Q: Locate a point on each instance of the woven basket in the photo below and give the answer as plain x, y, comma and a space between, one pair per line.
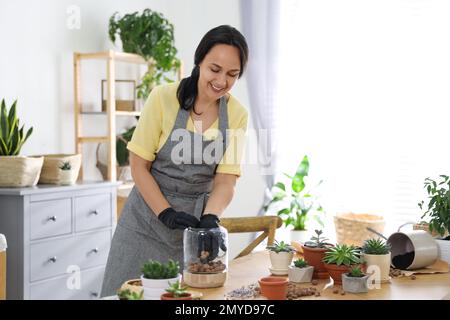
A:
51, 172
351, 228
19, 171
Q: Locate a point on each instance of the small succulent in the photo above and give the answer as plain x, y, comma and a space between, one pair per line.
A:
318, 241
356, 272
301, 263
342, 254
376, 246
65, 166
128, 295
157, 270
177, 290
280, 247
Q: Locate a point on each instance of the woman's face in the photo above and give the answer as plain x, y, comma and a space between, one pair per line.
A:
219, 70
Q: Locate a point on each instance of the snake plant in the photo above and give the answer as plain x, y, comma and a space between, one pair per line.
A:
11, 137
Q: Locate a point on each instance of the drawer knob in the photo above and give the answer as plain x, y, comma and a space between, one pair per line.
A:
94, 212
94, 294
52, 259
95, 250
52, 218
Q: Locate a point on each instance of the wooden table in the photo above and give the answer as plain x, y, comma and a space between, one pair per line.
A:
248, 269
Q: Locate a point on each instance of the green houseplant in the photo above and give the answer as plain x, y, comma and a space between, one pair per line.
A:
19, 171
151, 36
376, 254
155, 276
297, 202
301, 271
176, 291
355, 281
339, 259
314, 251
281, 255
438, 212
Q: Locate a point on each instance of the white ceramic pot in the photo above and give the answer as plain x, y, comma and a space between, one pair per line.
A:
300, 275
444, 250
300, 236
154, 288
380, 261
354, 284
281, 260
413, 249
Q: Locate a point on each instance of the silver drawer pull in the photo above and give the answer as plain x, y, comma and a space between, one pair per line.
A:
95, 250
52, 259
52, 218
94, 294
94, 212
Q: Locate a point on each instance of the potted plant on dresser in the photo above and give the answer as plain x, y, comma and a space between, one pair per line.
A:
376, 253
297, 204
17, 171
301, 271
176, 291
281, 255
314, 251
355, 281
438, 212
339, 259
155, 276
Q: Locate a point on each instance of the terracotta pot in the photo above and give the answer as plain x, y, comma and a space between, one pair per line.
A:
273, 288
169, 296
314, 258
336, 272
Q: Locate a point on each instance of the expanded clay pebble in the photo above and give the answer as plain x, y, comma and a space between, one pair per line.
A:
315, 282
395, 272
413, 277
296, 291
317, 294
335, 290
342, 293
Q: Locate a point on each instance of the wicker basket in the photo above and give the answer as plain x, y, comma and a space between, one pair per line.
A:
51, 172
19, 171
351, 228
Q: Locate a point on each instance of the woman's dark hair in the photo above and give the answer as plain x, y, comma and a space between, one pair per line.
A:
187, 90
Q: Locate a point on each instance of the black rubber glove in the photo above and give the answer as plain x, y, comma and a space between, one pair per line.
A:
210, 240
177, 219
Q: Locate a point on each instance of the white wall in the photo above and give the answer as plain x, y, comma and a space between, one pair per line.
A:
36, 67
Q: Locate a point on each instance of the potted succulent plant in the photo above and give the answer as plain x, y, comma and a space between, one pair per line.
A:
17, 171
438, 212
314, 251
298, 203
376, 252
301, 271
339, 259
126, 294
274, 288
176, 292
281, 255
155, 276
355, 281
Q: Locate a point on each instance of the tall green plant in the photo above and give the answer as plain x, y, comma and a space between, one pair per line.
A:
297, 202
438, 210
11, 137
151, 36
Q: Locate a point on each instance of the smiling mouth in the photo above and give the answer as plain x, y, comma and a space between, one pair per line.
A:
216, 89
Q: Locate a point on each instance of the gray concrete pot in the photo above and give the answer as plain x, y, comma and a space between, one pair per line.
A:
354, 284
300, 275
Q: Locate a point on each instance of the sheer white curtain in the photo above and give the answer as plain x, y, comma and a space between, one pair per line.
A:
364, 92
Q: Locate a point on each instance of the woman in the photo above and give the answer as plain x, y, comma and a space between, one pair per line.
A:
176, 184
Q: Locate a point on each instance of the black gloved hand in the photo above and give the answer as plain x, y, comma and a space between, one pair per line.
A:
209, 241
177, 219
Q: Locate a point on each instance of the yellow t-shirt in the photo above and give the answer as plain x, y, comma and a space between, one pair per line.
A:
158, 118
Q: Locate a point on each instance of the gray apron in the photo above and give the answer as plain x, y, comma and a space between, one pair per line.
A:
139, 235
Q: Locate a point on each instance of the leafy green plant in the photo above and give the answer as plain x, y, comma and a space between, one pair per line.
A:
318, 241
122, 153
298, 202
177, 290
65, 166
11, 137
280, 247
356, 272
438, 210
301, 263
376, 246
128, 295
151, 36
157, 270
342, 254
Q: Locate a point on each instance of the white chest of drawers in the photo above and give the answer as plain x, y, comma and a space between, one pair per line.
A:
58, 239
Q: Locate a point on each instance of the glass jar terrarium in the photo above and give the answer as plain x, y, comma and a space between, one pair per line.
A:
205, 257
